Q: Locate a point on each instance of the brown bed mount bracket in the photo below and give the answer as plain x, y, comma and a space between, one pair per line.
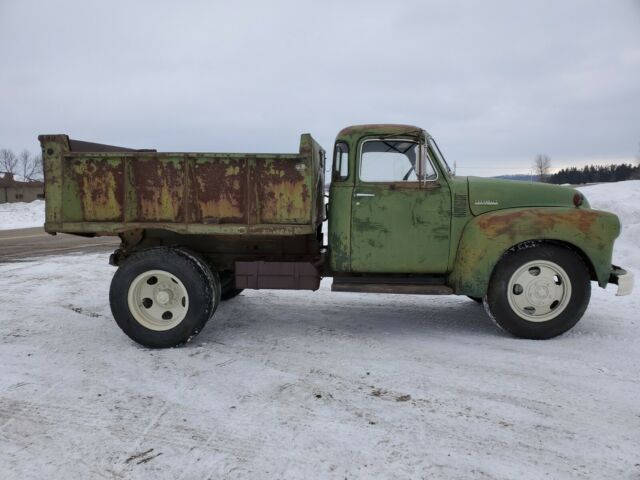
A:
277, 275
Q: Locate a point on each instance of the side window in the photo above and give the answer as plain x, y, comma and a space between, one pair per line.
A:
341, 161
389, 161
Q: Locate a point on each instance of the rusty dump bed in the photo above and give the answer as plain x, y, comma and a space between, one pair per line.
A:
99, 189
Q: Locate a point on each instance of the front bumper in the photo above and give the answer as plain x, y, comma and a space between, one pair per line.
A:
622, 278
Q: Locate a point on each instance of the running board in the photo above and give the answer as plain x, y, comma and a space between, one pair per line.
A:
399, 288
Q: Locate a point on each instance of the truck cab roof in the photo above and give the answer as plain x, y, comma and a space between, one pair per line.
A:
357, 131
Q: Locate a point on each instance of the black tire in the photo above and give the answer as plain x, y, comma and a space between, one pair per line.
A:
475, 299
212, 276
229, 290
506, 317
202, 287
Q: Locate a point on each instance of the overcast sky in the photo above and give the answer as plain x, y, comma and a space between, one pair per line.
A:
495, 82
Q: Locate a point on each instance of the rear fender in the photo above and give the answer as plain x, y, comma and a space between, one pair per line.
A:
486, 238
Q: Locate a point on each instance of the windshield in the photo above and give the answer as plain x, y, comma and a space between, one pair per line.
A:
433, 146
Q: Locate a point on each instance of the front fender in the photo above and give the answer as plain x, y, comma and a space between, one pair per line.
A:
486, 238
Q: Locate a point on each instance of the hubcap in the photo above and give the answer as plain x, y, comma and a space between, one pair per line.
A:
158, 300
539, 291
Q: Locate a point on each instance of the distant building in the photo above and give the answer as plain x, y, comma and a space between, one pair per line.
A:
12, 190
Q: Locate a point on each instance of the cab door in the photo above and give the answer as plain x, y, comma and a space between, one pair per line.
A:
401, 210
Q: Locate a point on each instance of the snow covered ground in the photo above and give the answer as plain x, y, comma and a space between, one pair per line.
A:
21, 215
316, 385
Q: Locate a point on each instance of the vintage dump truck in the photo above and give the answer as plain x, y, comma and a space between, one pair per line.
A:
198, 228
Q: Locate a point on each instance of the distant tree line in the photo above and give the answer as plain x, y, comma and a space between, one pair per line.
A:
595, 174
23, 164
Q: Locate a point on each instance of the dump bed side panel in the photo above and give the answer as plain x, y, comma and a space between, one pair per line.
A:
219, 191
108, 192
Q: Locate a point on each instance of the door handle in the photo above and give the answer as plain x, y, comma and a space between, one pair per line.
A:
364, 195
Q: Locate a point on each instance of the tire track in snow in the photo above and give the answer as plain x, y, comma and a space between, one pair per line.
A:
156, 431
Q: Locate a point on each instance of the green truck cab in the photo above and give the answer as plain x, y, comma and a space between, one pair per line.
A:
198, 228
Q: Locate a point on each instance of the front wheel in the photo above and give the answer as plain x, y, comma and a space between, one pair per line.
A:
538, 292
162, 297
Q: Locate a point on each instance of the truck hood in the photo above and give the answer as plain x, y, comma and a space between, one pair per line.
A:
488, 194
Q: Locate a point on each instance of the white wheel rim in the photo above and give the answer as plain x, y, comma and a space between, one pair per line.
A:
158, 300
539, 291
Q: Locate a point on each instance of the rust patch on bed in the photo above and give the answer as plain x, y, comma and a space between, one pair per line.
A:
219, 189
283, 195
99, 187
159, 192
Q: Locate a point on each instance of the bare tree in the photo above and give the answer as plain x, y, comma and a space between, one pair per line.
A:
8, 161
542, 166
30, 165
24, 165
38, 171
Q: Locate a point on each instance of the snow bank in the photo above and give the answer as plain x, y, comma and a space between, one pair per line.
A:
623, 199
21, 215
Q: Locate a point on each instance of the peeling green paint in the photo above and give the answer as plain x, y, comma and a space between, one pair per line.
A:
487, 237
400, 231
339, 226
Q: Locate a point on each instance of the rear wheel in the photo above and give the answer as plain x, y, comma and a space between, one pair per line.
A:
539, 292
227, 284
162, 297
